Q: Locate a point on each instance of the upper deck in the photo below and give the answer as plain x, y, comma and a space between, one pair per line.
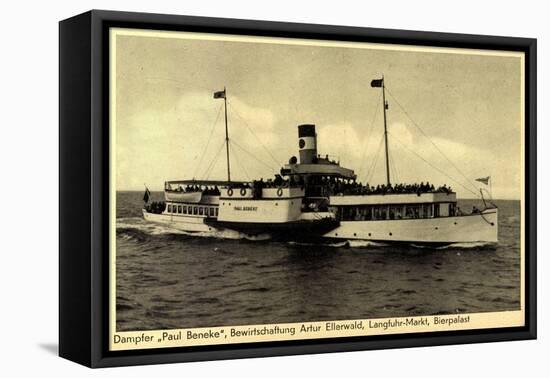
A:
175, 184
318, 169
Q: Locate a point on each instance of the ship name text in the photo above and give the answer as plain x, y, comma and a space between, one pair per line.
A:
245, 208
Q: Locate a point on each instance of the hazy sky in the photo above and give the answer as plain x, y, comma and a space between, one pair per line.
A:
468, 106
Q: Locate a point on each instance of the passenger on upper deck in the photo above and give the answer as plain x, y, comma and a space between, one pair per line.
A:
156, 207
353, 188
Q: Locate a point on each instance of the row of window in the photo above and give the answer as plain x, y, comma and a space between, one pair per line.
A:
382, 212
208, 211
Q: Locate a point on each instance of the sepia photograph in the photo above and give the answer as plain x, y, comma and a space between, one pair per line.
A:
267, 189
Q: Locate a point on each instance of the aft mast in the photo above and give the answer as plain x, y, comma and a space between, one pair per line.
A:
379, 83
223, 94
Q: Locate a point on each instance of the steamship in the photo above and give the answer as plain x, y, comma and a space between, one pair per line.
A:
316, 197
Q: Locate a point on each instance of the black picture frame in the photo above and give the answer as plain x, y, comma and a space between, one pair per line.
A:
84, 195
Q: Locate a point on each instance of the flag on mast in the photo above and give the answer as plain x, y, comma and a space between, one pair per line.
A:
377, 83
219, 94
484, 180
146, 195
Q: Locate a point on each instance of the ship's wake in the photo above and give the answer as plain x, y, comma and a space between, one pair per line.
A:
469, 245
342, 244
137, 224
365, 244
369, 244
455, 246
130, 227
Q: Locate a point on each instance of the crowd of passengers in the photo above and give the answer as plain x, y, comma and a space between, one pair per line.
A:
353, 187
156, 207
278, 182
334, 186
206, 190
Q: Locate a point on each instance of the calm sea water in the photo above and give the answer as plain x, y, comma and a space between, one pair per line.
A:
169, 279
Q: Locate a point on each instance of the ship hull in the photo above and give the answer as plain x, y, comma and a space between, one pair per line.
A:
293, 230
180, 222
478, 227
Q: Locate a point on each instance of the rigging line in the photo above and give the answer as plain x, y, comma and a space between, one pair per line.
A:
396, 171
371, 173
213, 166
239, 162
433, 166
371, 169
208, 142
392, 169
375, 155
393, 166
373, 164
214, 161
254, 134
427, 137
368, 134
253, 156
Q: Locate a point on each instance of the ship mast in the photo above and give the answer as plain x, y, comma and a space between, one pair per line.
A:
379, 83
227, 136
223, 94
386, 132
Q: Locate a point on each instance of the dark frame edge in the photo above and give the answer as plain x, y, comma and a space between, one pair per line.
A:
96, 355
324, 31
75, 274
531, 185
322, 347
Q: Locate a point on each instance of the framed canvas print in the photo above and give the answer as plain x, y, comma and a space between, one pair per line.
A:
234, 188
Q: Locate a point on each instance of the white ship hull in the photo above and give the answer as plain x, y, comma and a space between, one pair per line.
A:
180, 222
478, 227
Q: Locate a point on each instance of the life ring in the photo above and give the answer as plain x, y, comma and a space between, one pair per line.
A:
230, 192
280, 192
243, 192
